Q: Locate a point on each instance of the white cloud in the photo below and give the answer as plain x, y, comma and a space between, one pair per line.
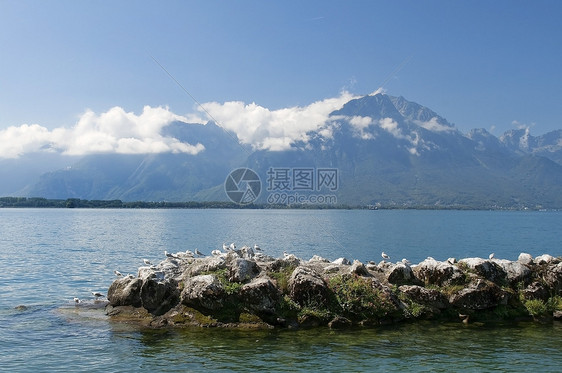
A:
391, 126
114, 131
434, 126
273, 129
360, 125
118, 131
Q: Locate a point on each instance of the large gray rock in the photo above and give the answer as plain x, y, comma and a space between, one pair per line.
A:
317, 258
359, 269
260, 296
485, 268
544, 259
242, 270
431, 298
341, 261
479, 296
536, 290
203, 291
400, 274
515, 271
525, 259
202, 265
306, 286
125, 291
553, 278
158, 297
433, 272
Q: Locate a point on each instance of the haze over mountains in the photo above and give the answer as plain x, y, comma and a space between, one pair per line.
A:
387, 152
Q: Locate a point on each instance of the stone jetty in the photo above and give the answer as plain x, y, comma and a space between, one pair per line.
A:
246, 288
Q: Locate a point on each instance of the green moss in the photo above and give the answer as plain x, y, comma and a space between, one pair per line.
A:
357, 298
415, 310
536, 307
288, 308
321, 314
249, 318
554, 303
282, 277
189, 315
447, 290
230, 287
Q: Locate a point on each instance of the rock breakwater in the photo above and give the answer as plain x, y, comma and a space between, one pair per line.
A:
243, 288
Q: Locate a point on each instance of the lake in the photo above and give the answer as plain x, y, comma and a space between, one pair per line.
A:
49, 256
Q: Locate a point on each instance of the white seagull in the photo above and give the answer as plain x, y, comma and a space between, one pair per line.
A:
224, 247
76, 300
147, 262
385, 255
117, 273
215, 252
406, 262
232, 246
97, 294
257, 248
491, 256
169, 255
197, 252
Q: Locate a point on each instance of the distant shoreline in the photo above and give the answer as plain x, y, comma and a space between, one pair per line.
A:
38, 202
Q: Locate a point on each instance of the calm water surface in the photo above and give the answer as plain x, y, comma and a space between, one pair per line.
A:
49, 256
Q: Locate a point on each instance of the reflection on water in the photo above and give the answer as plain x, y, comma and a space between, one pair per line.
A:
422, 346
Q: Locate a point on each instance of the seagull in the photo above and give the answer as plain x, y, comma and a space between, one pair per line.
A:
189, 253
384, 255
169, 255
117, 273
147, 262
76, 300
257, 248
97, 294
232, 246
216, 252
406, 262
197, 252
224, 247
491, 256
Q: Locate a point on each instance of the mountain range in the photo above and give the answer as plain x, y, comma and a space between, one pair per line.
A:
386, 152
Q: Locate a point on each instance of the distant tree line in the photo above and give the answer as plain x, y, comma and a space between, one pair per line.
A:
37, 202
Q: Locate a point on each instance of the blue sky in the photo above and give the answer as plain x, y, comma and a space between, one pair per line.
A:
490, 64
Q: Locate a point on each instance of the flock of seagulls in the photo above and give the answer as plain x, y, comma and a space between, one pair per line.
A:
405, 261
192, 254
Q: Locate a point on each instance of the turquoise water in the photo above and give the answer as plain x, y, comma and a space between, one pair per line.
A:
47, 257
